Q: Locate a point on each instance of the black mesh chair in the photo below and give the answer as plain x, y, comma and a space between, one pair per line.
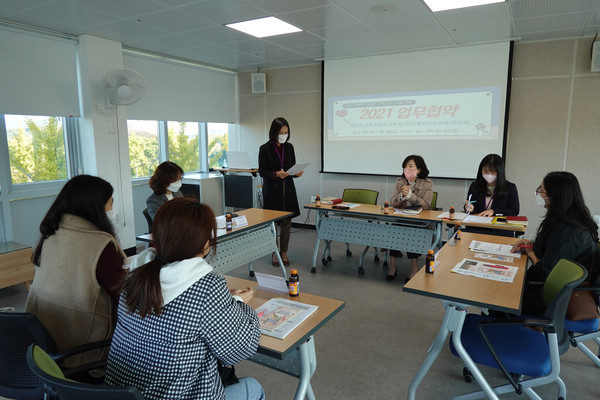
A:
57, 386
148, 220
17, 332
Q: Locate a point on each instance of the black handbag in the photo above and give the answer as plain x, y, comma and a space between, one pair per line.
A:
227, 374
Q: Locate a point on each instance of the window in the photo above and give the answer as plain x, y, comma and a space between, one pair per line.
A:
36, 148
184, 149
218, 143
143, 147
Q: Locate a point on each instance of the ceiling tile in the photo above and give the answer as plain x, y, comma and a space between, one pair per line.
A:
282, 6
176, 21
423, 40
362, 9
549, 35
294, 39
490, 13
319, 18
345, 33
121, 8
558, 22
538, 8
223, 12
483, 33
405, 25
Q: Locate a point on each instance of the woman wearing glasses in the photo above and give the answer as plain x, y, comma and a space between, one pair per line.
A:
567, 231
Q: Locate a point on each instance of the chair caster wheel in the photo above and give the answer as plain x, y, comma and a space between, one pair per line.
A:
324, 261
313, 270
467, 375
361, 270
328, 258
348, 253
251, 273
385, 265
376, 259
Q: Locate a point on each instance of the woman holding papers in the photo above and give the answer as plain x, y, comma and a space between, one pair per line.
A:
165, 183
491, 194
567, 231
279, 193
413, 189
177, 320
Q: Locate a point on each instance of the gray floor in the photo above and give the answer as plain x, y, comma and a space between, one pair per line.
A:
374, 346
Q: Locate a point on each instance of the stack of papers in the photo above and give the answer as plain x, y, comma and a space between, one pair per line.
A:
408, 211
331, 200
492, 248
278, 316
459, 216
496, 272
478, 219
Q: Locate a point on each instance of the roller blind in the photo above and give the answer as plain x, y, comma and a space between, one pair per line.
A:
38, 74
178, 92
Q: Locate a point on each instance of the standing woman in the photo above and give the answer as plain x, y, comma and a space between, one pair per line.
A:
491, 194
413, 189
80, 267
165, 183
279, 193
177, 318
567, 231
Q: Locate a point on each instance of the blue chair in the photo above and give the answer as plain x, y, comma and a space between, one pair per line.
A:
519, 351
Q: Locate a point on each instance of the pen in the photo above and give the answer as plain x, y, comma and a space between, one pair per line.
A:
496, 266
260, 314
473, 201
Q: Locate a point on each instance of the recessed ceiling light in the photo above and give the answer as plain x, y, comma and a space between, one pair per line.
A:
442, 5
263, 27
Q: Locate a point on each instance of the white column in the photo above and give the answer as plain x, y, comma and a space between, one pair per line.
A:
104, 129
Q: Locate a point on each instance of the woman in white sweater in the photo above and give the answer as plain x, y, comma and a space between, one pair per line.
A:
177, 319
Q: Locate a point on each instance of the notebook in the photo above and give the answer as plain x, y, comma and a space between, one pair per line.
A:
238, 160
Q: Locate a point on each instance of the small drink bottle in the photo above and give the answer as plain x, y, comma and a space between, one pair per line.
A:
429, 262
386, 208
228, 222
293, 285
451, 214
318, 201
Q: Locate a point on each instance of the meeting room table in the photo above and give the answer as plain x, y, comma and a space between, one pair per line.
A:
457, 292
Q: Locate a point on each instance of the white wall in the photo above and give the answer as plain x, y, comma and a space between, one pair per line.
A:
554, 124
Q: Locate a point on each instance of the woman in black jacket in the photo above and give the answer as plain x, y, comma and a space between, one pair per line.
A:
279, 193
567, 231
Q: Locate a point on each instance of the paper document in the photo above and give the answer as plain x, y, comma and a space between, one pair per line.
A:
271, 283
495, 257
278, 316
458, 216
480, 269
478, 219
493, 248
408, 211
297, 168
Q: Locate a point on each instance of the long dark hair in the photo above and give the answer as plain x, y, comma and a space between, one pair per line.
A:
84, 196
276, 126
566, 205
495, 163
181, 229
166, 173
420, 163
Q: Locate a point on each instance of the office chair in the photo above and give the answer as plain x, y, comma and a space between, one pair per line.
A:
433, 203
518, 350
17, 332
587, 329
148, 220
364, 196
58, 386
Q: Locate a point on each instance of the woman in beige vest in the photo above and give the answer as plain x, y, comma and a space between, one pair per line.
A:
80, 266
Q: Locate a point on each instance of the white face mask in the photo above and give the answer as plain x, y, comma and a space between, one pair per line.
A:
112, 215
540, 200
489, 178
282, 138
175, 186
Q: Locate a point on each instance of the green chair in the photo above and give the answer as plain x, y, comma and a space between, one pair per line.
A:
148, 220
519, 351
364, 196
57, 386
433, 203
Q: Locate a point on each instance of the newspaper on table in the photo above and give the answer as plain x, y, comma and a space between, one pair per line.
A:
480, 269
492, 248
279, 316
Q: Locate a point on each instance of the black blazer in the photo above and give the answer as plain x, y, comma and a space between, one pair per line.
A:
278, 194
506, 205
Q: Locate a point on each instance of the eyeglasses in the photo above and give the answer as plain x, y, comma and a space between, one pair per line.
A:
539, 190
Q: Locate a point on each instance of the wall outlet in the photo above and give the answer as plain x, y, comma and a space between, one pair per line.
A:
313, 199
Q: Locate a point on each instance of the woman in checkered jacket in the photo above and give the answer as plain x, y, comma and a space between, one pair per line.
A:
177, 319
